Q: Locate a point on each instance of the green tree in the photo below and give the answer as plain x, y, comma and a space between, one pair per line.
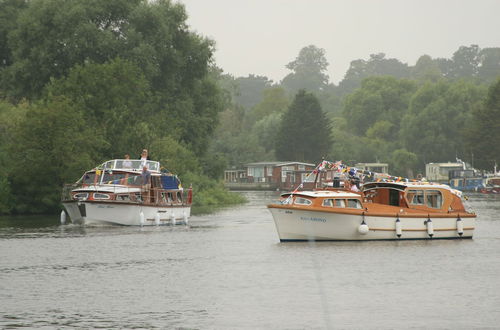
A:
304, 134
52, 144
379, 98
249, 90
438, 117
274, 101
309, 71
376, 65
403, 162
9, 10
114, 98
426, 69
465, 62
489, 69
485, 132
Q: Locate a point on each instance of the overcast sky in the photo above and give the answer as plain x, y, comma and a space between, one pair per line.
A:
262, 36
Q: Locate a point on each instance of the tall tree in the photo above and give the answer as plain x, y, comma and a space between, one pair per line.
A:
304, 134
485, 132
250, 89
438, 118
308, 71
376, 65
379, 98
465, 62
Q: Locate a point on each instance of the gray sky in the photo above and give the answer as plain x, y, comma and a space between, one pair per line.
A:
262, 36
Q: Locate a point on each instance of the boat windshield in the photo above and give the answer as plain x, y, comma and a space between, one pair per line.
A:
129, 164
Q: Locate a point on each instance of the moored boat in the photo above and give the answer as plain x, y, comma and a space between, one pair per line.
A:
115, 193
380, 211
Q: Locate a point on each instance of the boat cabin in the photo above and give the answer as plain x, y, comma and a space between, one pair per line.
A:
418, 196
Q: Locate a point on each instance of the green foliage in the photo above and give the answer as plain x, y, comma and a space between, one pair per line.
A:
485, 131
248, 90
208, 192
379, 98
403, 162
104, 78
308, 71
53, 144
113, 97
274, 101
438, 117
377, 65
426, 69
304, 134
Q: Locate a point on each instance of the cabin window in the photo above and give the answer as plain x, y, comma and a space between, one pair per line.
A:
328, 202
434, 199
339, 203
125, 197
134, 180
101, 196
89, 178
416, 197
302, 201
81, 196
354, 203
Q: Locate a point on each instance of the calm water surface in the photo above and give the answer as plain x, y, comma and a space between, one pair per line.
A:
228, 270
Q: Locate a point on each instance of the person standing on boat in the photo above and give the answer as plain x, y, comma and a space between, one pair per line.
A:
144, 157
146, 182
354, 186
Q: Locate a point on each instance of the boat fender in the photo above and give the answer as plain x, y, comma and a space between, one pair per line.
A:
185, 218
430, 228
363, 228
63, 217
141, 218
399, 228
157, 218
172, 219
460, 226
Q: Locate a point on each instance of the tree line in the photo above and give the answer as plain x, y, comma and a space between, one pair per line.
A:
383, 110
85, 81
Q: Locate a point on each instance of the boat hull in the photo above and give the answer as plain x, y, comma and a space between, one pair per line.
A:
106, 213
306, 225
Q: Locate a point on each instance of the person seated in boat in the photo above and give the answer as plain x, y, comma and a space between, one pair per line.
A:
146, 182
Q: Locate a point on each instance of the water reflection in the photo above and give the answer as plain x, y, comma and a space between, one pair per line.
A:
227, 269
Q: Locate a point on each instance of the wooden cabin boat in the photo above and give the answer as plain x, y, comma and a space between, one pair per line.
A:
381, 211
114, 193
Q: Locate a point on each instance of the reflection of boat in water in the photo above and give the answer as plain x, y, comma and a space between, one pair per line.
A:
381, 211
113, 193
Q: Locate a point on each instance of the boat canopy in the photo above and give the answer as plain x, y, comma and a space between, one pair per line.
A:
403, 185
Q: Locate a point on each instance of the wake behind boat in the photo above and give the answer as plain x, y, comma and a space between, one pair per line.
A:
382, 210
115, 193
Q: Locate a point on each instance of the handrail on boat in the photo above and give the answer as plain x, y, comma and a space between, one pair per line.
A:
153, 196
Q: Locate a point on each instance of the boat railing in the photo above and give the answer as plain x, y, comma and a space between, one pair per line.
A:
126, 194
130, 165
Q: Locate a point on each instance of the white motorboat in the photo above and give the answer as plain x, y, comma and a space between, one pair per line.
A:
381, 211
114, 193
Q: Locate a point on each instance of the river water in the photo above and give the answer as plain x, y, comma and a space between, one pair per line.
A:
228, 270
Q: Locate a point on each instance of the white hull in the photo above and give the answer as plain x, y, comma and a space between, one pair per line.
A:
85, 212
300, 225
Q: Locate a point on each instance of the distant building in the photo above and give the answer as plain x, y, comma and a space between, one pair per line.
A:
382, 168
270, 176
440, 172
